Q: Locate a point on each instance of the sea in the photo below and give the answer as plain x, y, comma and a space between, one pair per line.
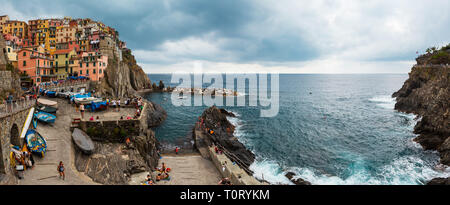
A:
330, 129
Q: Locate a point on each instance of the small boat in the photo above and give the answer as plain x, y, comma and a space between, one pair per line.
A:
83, 141
35, 142
45, 117
87, 100
34, 123
46, 109
46, 102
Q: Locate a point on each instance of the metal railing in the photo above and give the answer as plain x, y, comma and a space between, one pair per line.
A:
16, 106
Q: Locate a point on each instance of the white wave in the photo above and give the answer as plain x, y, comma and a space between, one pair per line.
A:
269, 171
404, 170
384, 101
238, 132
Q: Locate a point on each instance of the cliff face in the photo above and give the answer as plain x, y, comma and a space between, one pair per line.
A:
426, 93
123, 77
9, 77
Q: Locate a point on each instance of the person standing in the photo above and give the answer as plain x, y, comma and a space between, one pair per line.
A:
118, 105
82, 111
61, 170
176, 150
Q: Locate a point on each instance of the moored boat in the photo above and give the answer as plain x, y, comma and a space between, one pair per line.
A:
46, 109
46, 102
45, 117
83, 141
35, 142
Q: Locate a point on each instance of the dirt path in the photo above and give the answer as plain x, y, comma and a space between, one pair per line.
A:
189, 169
60, 148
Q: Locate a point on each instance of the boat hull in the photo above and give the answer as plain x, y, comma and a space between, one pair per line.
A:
83, 141
35, 142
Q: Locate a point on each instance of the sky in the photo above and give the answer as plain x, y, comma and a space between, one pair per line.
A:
285, 36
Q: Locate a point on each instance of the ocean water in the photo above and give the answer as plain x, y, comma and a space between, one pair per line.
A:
330, 129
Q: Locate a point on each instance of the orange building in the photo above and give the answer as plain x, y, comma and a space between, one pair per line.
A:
36, 63
92, 65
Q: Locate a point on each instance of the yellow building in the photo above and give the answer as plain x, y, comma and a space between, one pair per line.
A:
3, 20
12, 56
61, 63
16, 28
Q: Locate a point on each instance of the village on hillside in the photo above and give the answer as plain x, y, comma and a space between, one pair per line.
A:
50, 50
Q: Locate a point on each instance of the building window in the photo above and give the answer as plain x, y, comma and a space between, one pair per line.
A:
100, 71
81, 72
93, 71
24, 53
87, 72
94, 64
87, 65
24, 63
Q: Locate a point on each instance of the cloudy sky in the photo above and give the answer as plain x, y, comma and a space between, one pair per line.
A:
289, 36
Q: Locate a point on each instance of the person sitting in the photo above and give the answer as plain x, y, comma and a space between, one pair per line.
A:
225, 181
92, 118
98, 118
128, 117
159, 177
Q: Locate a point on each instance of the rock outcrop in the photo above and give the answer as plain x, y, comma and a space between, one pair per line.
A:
156, 115
439, 181
114, 163
296, 181
426, 93
216, 119
9, 77
123, 77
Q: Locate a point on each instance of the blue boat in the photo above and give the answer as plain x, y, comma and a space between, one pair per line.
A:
45, 117
35, 142
34, 123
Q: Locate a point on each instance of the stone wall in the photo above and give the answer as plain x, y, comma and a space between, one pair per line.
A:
115, 130
5, 80
10, 128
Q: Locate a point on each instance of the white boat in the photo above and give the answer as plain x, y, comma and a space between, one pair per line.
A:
46, 102
87, 100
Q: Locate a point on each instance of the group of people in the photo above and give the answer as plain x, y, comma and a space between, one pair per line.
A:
163, 173
21, 159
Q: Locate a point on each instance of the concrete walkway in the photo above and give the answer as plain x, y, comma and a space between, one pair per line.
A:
60, 148
189, 169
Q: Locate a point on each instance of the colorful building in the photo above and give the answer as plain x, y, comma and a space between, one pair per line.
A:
92, 65
3, 20
16, 28
36, 63
65, 34
12, 56
61, 62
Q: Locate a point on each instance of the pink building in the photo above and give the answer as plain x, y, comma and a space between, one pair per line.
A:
92, 65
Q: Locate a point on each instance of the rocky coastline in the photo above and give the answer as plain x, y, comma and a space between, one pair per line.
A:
426, 93
215, 119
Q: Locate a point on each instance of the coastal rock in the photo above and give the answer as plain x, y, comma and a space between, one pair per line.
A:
439, 181
156, 115
123, 77
298, 181
426, 93
216, 119
112, 163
